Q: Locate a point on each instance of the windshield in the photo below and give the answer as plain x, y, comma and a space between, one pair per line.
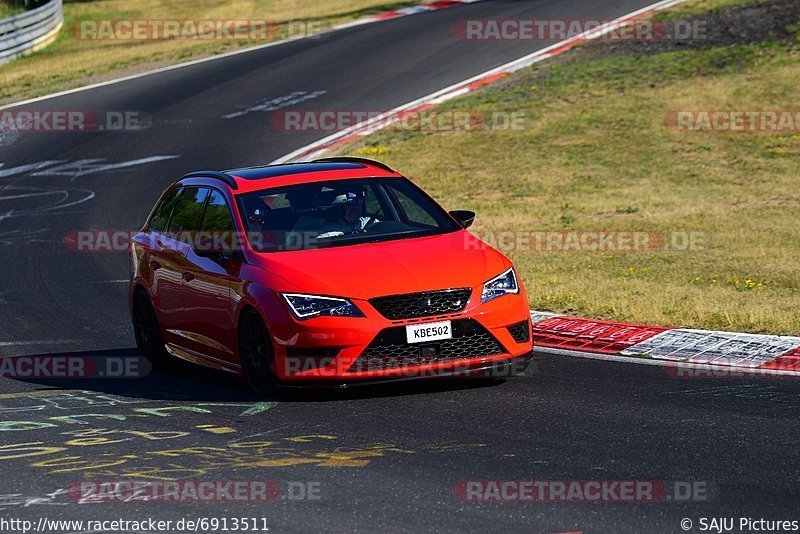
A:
343, 212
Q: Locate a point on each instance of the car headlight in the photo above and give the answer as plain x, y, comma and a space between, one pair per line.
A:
500, 285
308, 306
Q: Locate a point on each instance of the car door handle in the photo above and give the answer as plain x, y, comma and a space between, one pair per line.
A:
154, 265
188, 277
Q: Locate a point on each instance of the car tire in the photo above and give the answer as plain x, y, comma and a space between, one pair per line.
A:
147, 330
256, 353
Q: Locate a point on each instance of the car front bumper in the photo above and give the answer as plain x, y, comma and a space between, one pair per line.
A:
351, 350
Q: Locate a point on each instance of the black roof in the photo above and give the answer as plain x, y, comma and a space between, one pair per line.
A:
270, 171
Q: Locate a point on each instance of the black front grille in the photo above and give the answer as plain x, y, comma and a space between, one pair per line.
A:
390, 350
521, 332
422, 304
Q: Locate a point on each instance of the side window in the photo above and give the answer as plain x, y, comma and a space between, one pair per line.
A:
188, 211
161, 216
413, 211
218, 215
372, 203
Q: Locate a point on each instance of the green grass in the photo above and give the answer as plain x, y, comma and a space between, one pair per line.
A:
696, 7
9, 9
595, 155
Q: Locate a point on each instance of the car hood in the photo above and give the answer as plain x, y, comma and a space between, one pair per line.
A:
363, 271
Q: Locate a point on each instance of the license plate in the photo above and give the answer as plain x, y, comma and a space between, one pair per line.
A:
420, 333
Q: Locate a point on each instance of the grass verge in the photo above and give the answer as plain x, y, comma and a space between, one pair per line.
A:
595, 155
8, 9
73, 62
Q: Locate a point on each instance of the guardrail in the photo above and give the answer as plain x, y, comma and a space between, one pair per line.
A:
30, 31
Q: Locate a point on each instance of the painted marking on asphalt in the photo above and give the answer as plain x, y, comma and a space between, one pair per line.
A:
19, 499
20, 169
83, 167
74, 169
216, 429
274, 104
8, 238
28, 195
258, 408
743, 391
37, 393
199, 460
71, 169
8, 137
65, 194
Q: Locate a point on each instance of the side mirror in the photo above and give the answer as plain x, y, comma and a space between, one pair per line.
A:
464, 217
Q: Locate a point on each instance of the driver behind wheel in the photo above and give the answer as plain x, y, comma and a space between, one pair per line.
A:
348, 210
258, 211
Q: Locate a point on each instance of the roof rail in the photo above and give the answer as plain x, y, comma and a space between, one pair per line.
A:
225, 177
358, 160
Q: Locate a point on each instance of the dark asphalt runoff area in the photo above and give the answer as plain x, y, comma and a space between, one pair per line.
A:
389, 458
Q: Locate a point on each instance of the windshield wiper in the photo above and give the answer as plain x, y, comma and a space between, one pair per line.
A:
367, 238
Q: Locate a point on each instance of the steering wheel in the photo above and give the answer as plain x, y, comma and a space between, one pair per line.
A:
372, 221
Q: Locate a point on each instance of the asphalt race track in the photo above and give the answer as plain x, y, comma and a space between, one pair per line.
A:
387, 458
